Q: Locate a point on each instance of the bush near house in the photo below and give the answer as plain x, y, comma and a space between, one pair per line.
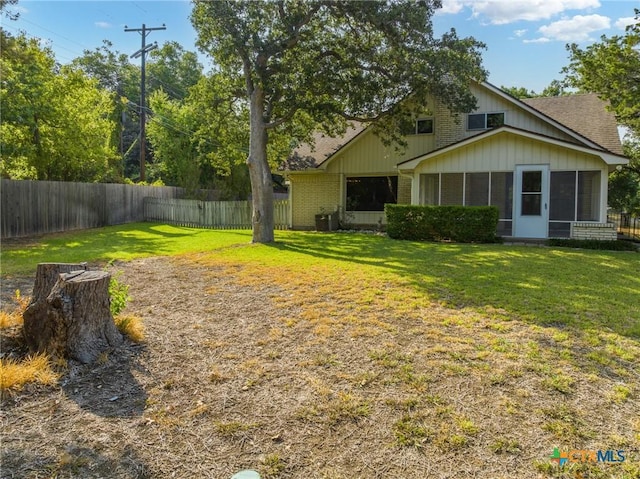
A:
466, 224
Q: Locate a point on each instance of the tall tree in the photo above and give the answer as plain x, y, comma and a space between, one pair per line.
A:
330, 62
611, 68
55, 121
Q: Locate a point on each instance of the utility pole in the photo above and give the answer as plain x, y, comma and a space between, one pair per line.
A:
142, 53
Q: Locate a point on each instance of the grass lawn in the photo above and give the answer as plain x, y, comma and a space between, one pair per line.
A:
488, 355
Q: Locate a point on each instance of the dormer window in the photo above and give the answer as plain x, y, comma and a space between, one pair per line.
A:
422, 126
484, 121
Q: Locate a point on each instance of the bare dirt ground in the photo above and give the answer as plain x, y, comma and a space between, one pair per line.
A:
239, 373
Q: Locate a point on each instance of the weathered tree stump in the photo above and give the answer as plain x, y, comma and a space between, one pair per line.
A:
70, 317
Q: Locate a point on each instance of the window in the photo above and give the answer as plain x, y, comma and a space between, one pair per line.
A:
531, 204
370, 193
483, 121
422, 126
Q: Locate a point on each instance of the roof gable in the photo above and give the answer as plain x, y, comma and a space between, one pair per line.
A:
583, 119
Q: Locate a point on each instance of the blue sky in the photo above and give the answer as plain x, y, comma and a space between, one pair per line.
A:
525, 38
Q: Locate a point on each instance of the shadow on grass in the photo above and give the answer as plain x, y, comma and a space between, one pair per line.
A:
546, 286
123, 242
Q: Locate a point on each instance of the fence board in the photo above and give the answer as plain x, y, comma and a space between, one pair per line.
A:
31, 208
210, 214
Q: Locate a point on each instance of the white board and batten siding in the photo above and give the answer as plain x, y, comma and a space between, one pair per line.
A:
503, 152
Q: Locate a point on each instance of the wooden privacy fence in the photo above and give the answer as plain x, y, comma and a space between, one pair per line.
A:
31, 208
210, 214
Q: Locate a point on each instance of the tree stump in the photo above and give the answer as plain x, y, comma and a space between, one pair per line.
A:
70, 317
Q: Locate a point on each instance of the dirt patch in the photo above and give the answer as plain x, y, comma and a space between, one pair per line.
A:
238, 372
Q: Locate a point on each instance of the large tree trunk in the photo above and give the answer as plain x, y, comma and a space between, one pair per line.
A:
259, 172
70, 318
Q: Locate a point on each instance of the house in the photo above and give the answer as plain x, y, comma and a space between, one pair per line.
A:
544, 162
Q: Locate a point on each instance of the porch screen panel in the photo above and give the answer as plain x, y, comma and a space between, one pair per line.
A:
477, 189
502, 193
451, 188
502, 197
588, 195
430, 188
562, 200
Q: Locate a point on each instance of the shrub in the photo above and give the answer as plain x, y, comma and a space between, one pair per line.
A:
618, 245
466, 224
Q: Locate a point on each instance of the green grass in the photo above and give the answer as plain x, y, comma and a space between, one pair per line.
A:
550, 287
122, 243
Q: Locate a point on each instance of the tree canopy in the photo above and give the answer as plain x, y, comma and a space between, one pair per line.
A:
611, 68
55, 121
319, 64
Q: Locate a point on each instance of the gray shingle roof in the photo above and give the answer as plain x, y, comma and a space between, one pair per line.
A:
586, 114
306, 156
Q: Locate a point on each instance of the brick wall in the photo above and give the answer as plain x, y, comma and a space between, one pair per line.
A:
404, 190
312, 194
447, 130
594, 231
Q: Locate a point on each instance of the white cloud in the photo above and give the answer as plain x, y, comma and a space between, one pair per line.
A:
519, 33
537, 40
103, 25
451, 6
624, 22
500, 12
575, 29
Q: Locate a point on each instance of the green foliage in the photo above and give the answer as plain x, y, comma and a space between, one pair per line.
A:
555, 88
519, 92
173, 70
465, 224
170, 69
610, 69
118, 294
55, 121
117, 75
594, 244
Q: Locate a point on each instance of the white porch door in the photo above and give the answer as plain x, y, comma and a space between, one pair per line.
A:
531, 201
